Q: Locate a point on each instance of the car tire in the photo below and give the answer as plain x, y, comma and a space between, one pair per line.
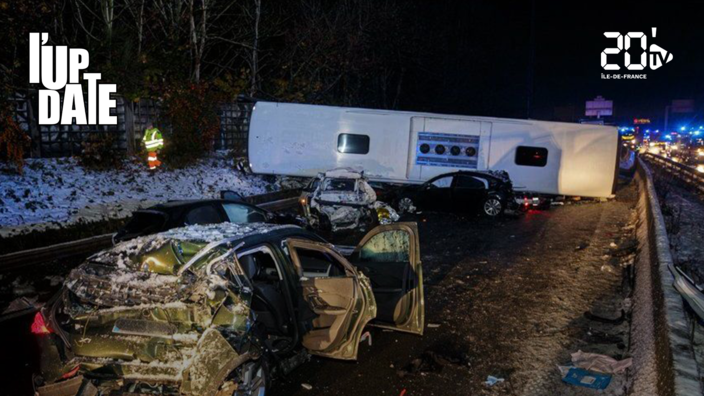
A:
492, 207
406, 205
254, 378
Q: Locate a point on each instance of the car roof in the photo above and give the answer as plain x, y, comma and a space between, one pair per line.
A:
468, 173
227, 231
122, 254
344, 173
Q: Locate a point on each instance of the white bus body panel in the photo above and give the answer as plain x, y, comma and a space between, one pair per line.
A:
301, 140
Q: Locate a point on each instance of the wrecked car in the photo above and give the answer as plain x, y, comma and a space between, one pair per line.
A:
173, 214
342, 199
489, 193
224, 308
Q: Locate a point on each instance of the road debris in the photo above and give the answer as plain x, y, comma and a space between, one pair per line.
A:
306, 386
433, 325
581, 377
367, 336
601, 363
491, 380
433, 362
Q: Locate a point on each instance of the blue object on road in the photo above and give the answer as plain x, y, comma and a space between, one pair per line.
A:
588, 379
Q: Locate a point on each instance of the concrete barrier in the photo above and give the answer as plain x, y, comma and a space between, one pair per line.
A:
663, 357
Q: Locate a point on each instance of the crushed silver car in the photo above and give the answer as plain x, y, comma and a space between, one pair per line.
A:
342, 199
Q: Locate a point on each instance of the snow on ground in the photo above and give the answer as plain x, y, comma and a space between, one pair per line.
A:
54, 191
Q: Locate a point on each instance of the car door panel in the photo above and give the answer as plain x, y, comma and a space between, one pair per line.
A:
469, 193
331, 299
342, 304
387, 285
390, 256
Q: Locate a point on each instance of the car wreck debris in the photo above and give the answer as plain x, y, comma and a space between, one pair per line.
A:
601, 363
491, 380
342, 199
221, 309
581, 377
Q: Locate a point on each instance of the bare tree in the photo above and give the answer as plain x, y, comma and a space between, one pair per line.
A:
136, 9
198, 35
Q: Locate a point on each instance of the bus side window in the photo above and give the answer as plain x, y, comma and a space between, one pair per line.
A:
531, 156
348, 143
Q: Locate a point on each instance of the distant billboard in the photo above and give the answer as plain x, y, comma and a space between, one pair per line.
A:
682, 106
599, 107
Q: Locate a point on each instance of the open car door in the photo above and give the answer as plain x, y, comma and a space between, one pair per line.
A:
340, 300
390, 256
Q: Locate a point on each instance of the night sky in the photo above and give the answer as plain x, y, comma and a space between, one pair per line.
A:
480, 62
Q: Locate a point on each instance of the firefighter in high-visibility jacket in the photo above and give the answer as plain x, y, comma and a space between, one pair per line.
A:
153, 142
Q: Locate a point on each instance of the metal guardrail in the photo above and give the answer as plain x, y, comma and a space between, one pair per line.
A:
681, 171
663, 355
274, 201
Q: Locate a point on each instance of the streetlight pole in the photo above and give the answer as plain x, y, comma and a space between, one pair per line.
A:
667, 114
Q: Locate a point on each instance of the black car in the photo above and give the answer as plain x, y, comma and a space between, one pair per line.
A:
175, 214
464, 191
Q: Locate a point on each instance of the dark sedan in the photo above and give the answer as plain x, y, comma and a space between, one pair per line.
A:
175, 214
487, 193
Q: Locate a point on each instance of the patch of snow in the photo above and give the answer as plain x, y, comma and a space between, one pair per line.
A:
123, 254
54, 191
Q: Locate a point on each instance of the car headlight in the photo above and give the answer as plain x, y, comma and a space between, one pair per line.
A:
383, 215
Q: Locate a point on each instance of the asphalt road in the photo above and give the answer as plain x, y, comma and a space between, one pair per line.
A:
505, 298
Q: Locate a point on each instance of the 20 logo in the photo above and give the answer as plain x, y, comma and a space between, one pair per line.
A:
658, 55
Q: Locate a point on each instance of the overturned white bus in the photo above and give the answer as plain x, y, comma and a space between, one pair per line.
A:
542, 157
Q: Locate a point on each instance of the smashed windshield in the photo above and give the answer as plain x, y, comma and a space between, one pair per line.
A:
339, 185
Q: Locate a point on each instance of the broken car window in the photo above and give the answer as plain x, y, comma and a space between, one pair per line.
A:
241, 214
387, 247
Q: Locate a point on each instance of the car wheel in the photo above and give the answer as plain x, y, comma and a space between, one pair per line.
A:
253, 379
406, 205
492, 207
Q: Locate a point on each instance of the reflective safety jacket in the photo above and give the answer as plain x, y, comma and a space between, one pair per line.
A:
152, 139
